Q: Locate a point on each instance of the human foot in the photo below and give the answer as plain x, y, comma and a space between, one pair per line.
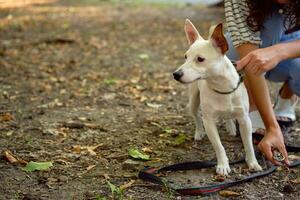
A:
284, 110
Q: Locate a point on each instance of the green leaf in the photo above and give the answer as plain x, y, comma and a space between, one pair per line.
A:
110, 81
112, 187
134, 153
100, 198
116, 190
33, 166
180, 139
167, 130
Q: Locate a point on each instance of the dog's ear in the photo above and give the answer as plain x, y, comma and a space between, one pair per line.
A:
191, 32
218, 39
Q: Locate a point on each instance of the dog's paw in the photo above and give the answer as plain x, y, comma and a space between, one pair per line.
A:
254, 166
223, 169
199, 136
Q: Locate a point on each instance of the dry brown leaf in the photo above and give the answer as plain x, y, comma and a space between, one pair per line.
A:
89, 149
76, 148
147, 150
90, 167
229, 193
13, 159
61, 161
106, 176
220, 178
127, 185
296, 181
9, 157
5, 117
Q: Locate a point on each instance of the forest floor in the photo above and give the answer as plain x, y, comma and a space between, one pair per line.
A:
82, 82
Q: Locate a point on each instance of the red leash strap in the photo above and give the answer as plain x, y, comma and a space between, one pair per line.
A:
150, 174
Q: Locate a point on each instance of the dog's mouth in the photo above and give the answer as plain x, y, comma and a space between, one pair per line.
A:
189, 82
183, 78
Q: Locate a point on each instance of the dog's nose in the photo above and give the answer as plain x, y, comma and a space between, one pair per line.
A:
177, 75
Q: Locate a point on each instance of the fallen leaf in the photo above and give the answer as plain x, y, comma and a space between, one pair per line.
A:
76, 148
39, 166
106, 176
144, 56
127, 185
90, 167
13, 159
229, 193
147, 150
154, 105
180, 139
110, 81
134, 153
5, 117
296, 181
9, 133
220, 178
9, 157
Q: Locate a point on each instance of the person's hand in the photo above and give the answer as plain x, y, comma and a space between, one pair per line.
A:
273, 140
260, 60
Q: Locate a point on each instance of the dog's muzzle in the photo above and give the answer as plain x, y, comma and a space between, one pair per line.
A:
178, 74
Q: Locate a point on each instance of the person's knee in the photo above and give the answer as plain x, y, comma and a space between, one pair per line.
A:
295, 69
294, 83
295, 87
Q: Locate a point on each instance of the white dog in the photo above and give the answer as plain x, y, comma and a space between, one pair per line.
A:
216, 87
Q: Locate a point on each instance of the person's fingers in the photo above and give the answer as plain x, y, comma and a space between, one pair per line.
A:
241, 64
283, 151
252, 67
267, 152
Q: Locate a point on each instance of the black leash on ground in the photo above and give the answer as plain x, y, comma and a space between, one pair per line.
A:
152, 174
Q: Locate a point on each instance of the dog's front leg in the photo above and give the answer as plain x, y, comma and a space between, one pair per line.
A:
213, 135
194, 104
246, 134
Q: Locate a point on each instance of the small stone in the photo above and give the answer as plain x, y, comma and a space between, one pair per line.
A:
63, 179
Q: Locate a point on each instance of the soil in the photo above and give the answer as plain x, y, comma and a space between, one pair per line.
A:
84, 81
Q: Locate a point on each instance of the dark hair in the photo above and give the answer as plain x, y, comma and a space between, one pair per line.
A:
259, 10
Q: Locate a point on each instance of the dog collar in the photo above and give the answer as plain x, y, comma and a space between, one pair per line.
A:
241, 79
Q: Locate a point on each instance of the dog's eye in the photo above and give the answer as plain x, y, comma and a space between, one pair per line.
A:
200, 59
185, 56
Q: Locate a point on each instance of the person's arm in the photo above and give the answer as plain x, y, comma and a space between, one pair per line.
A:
289, 49
265, 59
246, 41
259, 91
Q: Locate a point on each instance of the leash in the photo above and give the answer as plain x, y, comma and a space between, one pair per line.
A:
152, 174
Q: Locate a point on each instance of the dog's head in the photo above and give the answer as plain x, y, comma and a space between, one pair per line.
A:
204, 58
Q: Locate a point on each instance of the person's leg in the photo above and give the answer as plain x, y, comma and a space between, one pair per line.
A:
271, 34
288, 72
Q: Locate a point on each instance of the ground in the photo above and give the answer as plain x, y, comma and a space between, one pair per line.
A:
84, 81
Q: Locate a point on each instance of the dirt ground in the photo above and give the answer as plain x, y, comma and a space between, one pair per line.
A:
83, 81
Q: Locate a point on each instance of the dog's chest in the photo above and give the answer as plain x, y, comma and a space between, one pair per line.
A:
222, 106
